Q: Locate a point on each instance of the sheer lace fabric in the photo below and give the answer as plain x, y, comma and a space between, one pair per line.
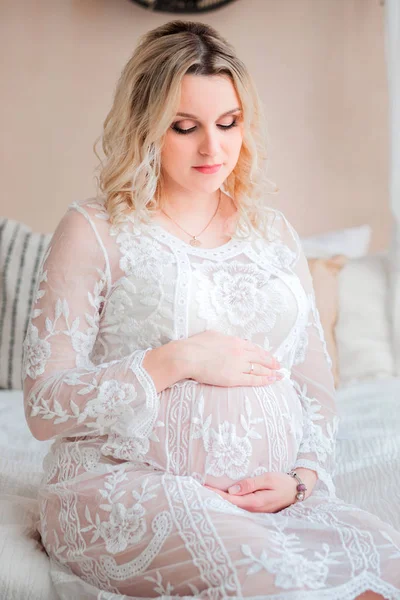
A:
124, 511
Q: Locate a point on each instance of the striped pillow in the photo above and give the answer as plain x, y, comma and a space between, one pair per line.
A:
21, 253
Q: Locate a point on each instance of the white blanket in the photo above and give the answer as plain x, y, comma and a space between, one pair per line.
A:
368, 475
24, 572
368, 448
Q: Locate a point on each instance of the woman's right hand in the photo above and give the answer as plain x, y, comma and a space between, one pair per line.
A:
218, 359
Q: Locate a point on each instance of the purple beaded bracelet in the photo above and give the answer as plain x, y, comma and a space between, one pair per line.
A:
301, 487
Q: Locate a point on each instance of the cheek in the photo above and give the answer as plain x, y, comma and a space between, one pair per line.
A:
234, 145
175, 150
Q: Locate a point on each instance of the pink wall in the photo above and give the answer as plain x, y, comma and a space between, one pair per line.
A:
319, 66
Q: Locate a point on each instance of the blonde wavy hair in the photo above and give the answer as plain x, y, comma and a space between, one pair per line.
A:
145, 104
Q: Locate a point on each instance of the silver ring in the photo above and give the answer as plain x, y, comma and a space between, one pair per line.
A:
251, 368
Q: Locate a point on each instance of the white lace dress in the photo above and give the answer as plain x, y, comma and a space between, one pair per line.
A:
123, 509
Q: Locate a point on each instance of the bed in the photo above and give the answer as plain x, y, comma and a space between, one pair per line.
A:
365, 342
21, 459
368, 464
368, 388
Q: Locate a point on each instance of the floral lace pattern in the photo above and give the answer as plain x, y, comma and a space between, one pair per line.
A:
227, 453
124, 512
125, 525
289, 566
232, 296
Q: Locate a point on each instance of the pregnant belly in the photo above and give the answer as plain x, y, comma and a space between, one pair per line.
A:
220, 435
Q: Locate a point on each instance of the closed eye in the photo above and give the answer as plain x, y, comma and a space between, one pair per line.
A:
186, 131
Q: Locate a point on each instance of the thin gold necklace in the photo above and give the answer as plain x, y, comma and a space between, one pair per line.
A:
195, 241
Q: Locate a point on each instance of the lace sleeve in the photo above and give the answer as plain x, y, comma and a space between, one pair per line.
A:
64, 392
313, 380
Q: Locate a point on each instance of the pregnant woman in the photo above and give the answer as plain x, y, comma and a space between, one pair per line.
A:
176, 357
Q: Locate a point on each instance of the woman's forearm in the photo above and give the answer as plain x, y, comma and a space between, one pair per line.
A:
166, 364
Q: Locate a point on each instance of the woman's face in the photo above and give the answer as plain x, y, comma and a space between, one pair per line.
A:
207, 130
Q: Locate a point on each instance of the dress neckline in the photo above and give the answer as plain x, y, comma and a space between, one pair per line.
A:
161, 233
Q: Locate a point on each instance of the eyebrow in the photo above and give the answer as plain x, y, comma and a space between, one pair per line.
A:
189, 116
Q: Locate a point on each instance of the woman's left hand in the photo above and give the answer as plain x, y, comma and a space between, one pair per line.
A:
267, 493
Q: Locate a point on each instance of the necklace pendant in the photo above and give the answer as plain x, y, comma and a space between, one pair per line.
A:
194, 241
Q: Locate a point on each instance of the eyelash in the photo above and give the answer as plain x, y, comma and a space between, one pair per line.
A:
186, 131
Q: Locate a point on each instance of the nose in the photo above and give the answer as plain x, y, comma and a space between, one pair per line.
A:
210, 144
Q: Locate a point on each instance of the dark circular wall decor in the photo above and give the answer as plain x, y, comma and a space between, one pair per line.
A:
182, 6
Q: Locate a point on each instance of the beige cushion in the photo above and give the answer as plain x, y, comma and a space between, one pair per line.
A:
326, 285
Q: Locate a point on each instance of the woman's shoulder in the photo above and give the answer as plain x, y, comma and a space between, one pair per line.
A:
93, 208
95, 211
84, 224
282, 238
91, 214
280, 229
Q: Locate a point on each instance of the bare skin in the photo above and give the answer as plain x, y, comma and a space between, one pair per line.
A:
209, 137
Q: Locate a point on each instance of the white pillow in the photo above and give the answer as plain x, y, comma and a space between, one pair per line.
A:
363, 327
352, 241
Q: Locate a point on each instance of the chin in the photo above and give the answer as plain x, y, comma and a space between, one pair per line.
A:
209, 187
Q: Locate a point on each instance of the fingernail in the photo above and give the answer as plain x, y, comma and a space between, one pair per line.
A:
279, 376
271, 379
235, 489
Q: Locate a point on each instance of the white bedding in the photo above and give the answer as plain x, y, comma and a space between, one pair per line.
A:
368, 448
24, 573
368, 456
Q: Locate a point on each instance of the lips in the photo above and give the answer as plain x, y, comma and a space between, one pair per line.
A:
208, 170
